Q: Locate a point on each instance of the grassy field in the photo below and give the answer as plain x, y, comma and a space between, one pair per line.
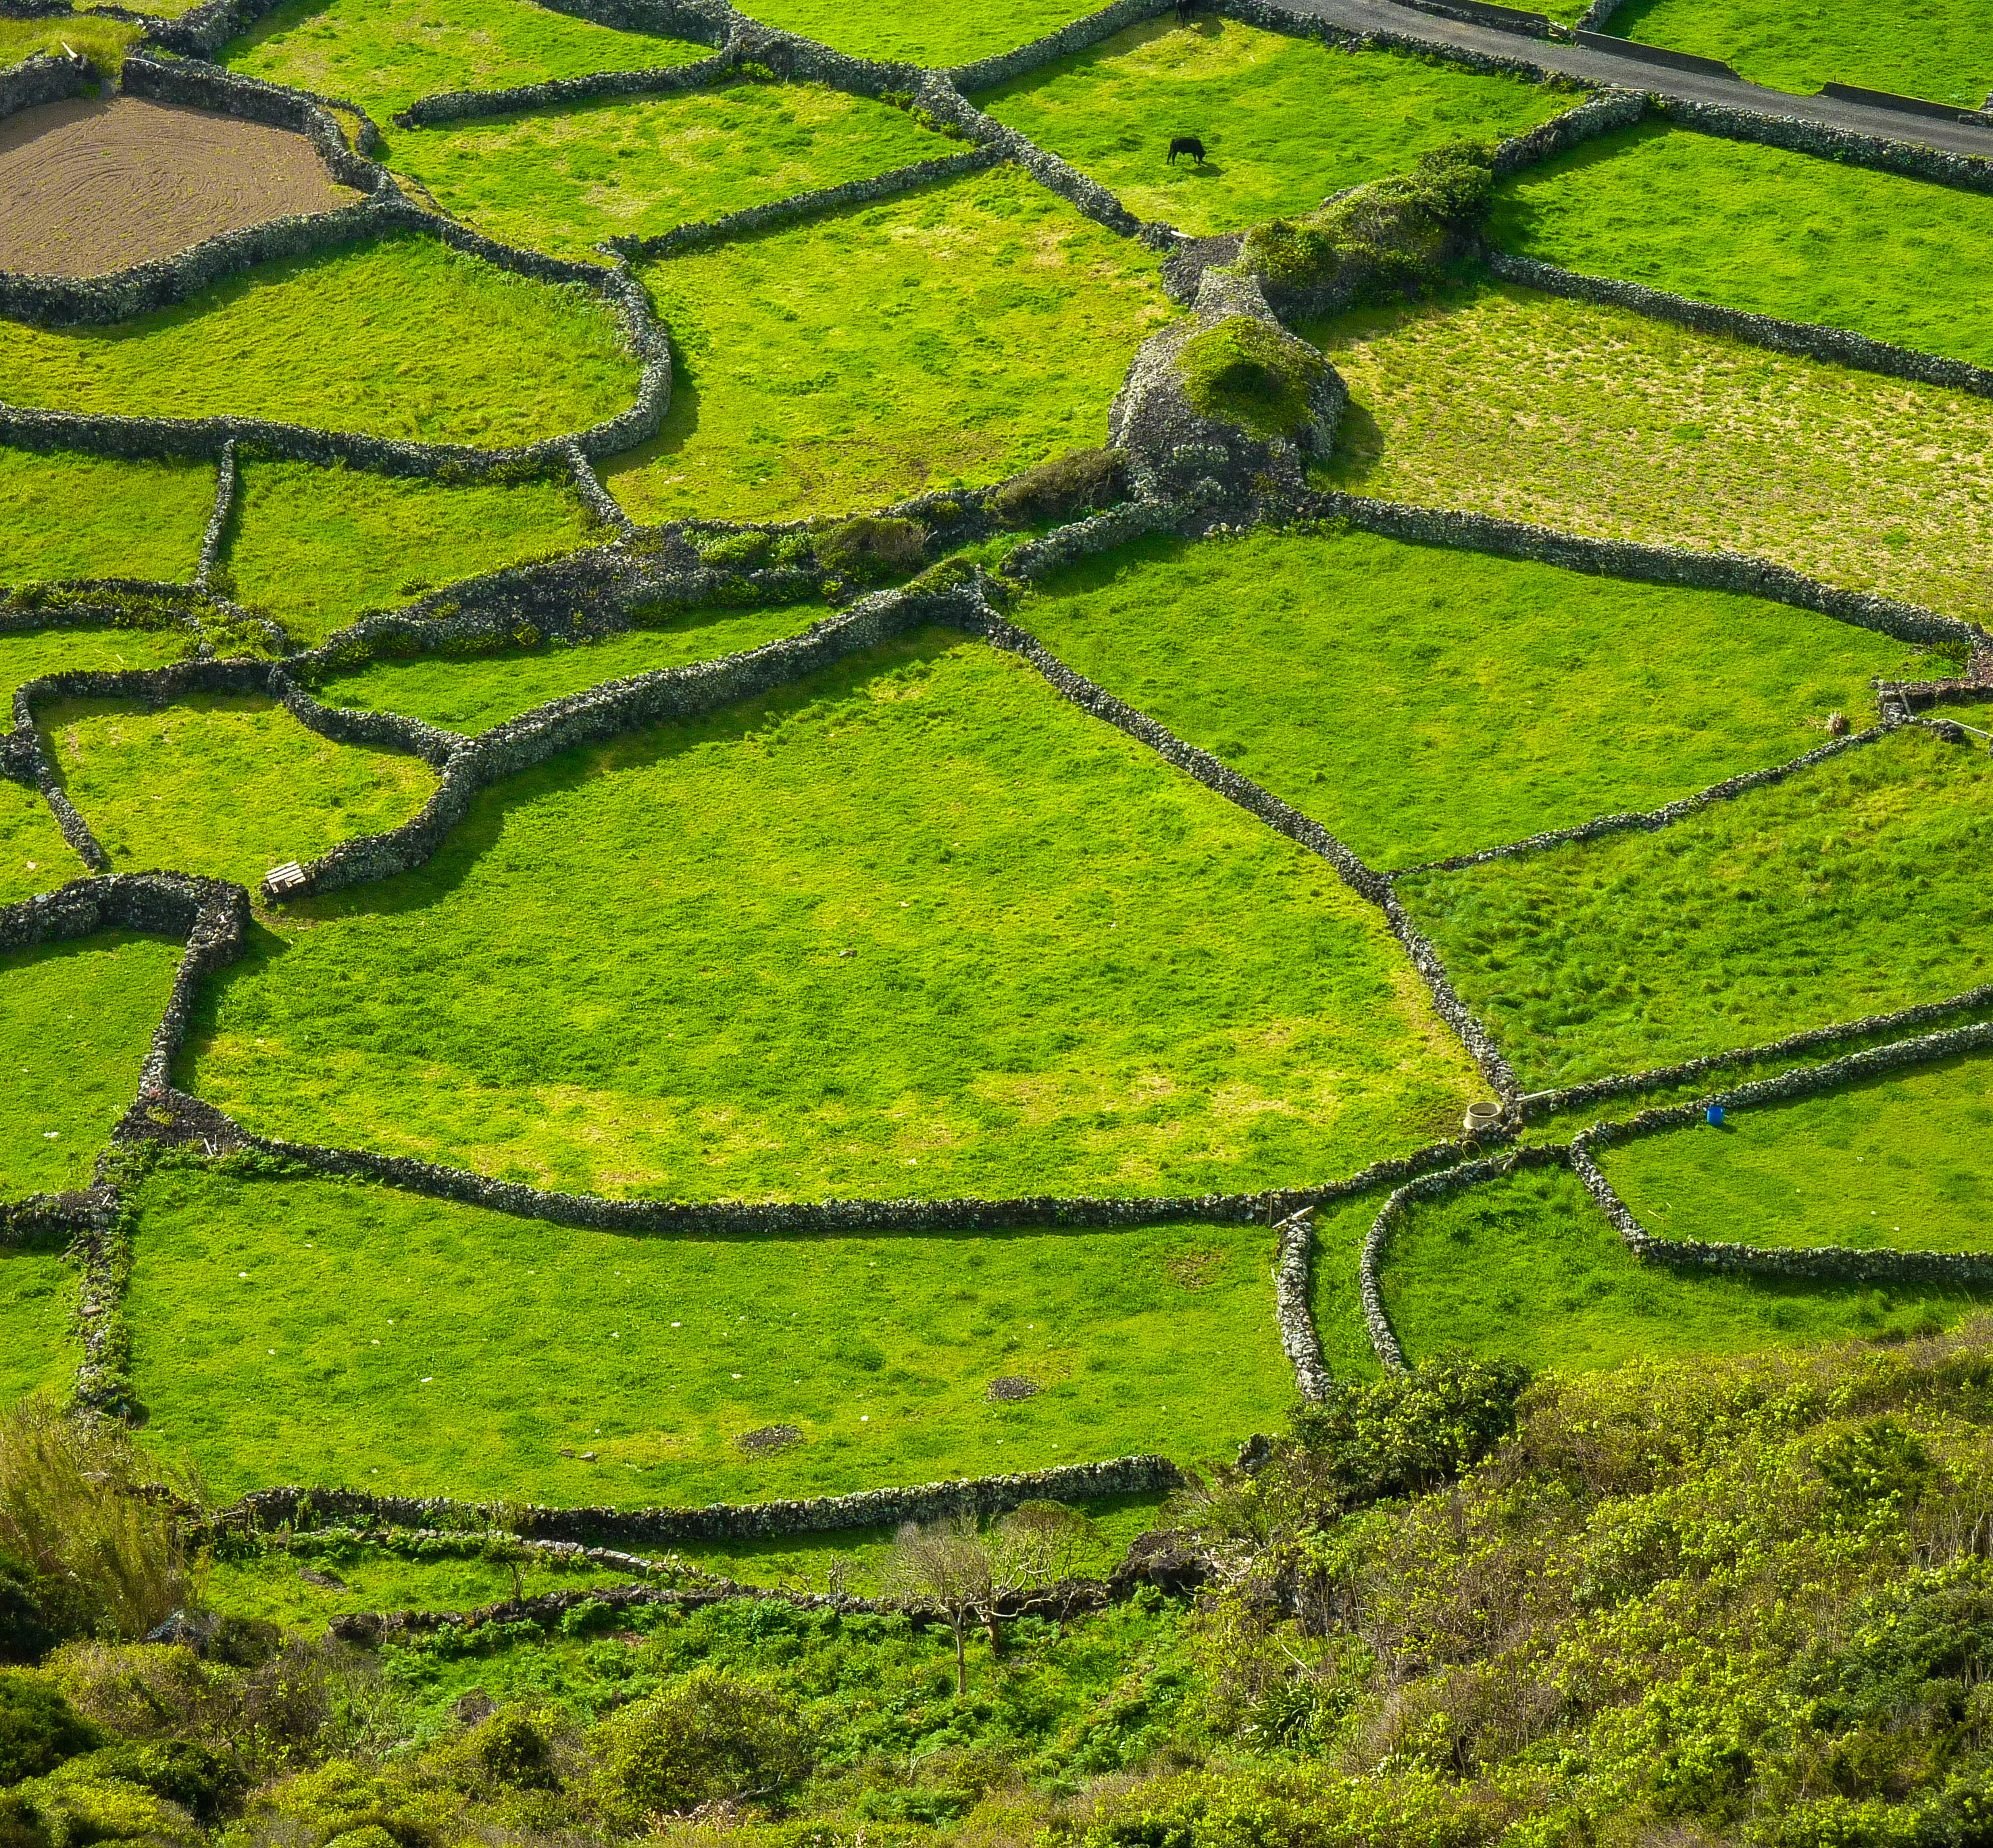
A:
319, 547
34, 857
28, 656
401, 338
1763, 229
227, 784
1850, 890
268, 1586
1284, 121
915, 33
75, 1019
1599, 421
1421, 702
915, 927
566, 179
474, 695
383, 54
1936, 48
976, 329
1785, 1174
68, 515
1527, 1268
105, 41
658, 1353
37, 1294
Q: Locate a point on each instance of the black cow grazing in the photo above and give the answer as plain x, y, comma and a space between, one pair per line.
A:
1186, 12
1187, 144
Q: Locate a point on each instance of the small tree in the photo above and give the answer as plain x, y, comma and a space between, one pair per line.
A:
1043, 1541
951, 1567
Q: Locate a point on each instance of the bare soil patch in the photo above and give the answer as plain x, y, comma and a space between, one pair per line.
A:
89, 187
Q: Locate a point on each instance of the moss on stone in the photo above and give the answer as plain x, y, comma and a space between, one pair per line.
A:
1246, 372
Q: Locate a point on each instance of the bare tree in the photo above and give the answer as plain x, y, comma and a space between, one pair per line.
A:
951, 1567
1043, 1541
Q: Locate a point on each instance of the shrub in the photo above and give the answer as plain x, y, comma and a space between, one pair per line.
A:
870, 548
26, 1634
711, 1740
38, 1728
1245, 372
735, 551
1080, 482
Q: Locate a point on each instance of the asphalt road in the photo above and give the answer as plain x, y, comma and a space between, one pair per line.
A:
1634, 72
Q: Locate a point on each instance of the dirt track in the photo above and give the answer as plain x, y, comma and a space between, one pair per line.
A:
87, 187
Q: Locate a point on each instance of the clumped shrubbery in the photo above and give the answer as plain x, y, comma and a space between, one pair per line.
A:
1245, 372
871, 549
1393, 236
1067, 487
712, 1739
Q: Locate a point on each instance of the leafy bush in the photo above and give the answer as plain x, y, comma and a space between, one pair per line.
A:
1080, 482
38, 1728
735, 551
709, 1740
869, 549
26, 1634
1245, 372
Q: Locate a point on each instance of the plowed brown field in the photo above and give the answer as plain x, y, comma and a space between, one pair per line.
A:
87, 187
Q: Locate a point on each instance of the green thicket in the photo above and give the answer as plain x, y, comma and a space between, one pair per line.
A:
1243, 371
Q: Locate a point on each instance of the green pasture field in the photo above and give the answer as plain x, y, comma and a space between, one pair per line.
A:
34, 857
267, 1585
915, 927
399, 338
1853, 889
383, 54
564, 179
473, 695
1596, 421
103, 42
1420, 702
1764, 229
29, 654
426, 1348
225, 783
1284, 121
975, 328
914, 31
1937, 49
1527, 1268
1896, 1160
64, 515
37, 1297
75, 1019
318, 548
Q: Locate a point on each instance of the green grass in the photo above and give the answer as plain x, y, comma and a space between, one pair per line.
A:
1420, 702
1937, 49
914, 31
1070, 969
1528, 1269
1763, 229
401, 338
878, 1350
64, 515
268, 1585
319, 547
28, 655
227, 784
1284, 121
383, 54
37, 1294
1850, 890
975, 329
565, 179
34, 857
1598, 422
1892, 1161
474, 695
104, 41
75, 1019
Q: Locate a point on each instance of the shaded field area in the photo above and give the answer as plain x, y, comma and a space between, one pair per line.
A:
919, 33
89, 185
318, 548
1764, 229
37, 1295
915, 927
30, 655
473, 694
1851, 890
1935, 49
1284, 121
400, 338
564, 179
76, 1019
383, 54
975, 328
1420, 702
1527, 1268
659, 1353
1895, 1161
1598, 422
226, 784
34, 857
64, 515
